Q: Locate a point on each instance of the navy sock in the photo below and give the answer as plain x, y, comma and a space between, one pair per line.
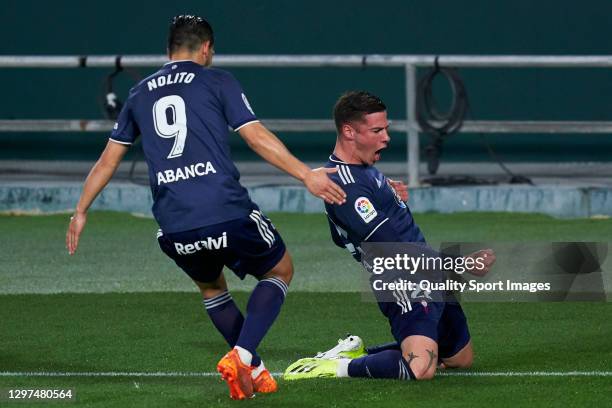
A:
227, 318
383, 347
385, 364
263, 308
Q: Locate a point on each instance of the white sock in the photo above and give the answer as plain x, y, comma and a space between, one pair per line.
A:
257, 370
342, 370
245, 355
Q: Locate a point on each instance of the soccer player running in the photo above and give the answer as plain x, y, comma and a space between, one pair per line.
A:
375, 211
206, 218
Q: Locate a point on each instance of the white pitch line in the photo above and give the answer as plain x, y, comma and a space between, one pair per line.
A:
214, 374
108, 374
524, 373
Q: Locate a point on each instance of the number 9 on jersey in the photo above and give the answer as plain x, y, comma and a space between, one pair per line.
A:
171, 107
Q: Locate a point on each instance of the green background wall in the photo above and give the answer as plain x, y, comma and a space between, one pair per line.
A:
321, 27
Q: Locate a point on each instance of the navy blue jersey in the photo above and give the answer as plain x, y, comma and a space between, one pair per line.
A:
183, 112
373, 211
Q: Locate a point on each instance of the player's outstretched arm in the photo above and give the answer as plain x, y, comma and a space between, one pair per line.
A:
98, 178
271, 149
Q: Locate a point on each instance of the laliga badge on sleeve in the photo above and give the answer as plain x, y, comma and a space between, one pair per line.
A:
365, 209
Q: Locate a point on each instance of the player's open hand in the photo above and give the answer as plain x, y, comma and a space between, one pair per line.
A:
400, 188
320, 185
77, 223
485, 258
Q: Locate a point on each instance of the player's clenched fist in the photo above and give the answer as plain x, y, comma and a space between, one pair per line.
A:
400, 188
485, 257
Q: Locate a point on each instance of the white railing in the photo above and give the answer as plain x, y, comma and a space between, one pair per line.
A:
408, 62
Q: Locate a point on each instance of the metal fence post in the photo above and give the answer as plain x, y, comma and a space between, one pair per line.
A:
412, 133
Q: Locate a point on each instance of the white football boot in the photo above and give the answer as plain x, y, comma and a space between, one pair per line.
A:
350, 347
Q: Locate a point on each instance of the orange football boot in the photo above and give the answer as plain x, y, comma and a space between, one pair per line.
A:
237, 375
265, 383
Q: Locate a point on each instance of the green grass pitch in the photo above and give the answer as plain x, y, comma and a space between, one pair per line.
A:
119, 306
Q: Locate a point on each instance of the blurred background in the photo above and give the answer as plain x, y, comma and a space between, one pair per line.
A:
321, 27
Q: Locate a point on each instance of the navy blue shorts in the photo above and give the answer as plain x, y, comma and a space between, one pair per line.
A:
249, 245
443, 322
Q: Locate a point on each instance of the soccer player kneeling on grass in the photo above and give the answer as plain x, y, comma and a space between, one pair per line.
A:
427, 334
207, 220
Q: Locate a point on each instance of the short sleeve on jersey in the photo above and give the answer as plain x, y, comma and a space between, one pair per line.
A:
125, 130
360, 215
236, 106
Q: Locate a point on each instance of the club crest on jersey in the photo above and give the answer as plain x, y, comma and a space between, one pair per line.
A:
365, 209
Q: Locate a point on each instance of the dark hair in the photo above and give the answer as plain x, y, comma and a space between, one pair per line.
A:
190, 32
353, 105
